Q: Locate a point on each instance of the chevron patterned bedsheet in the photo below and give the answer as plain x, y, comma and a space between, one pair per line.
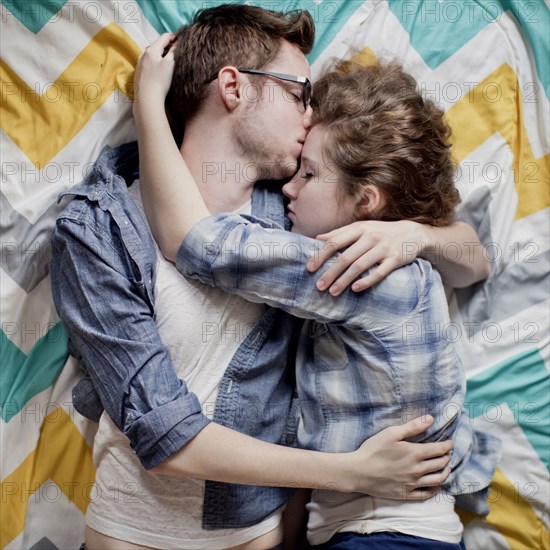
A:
66, 72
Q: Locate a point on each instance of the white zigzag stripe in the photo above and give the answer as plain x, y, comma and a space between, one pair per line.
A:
31, 190
50, 501
489, 165
66, 35
480, 534
463, 68
375, 26
520, 462
488, 346
26, 317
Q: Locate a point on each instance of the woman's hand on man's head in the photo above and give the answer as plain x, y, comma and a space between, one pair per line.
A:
154, 72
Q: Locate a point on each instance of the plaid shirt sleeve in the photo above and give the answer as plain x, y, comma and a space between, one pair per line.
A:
249, 257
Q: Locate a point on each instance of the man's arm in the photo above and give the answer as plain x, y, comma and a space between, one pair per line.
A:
454, 250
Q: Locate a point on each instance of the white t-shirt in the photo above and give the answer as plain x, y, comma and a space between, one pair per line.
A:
202, 327
331, 513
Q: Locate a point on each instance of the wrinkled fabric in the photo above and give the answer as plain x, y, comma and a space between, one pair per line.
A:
103, 275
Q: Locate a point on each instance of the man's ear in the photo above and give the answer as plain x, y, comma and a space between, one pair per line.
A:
229, 87
372, 201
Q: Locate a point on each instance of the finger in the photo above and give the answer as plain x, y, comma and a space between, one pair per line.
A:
434, 466
340, 239
359, 257
435, 450
433, 480
375, 276
357, 266
337, 233
170, 49
161, 43
167, 38
414, 427
350, 263
321, 255
334, 234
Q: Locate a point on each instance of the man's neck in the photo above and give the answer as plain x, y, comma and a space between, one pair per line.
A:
218, 170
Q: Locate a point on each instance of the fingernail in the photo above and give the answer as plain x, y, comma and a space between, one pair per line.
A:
334, 289
355, 288
310, 266
428, 418
321, 284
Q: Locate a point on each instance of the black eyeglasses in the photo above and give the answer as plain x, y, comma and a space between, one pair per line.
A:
303, 80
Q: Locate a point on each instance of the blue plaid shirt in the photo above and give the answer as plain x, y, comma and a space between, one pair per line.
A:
366, 361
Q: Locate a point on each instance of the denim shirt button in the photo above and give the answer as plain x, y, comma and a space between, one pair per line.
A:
289, 439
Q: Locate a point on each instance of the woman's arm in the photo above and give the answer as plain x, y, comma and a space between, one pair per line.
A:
384, 465
454, 250
171, 199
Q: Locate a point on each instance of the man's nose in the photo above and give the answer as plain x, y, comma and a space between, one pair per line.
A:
308, 117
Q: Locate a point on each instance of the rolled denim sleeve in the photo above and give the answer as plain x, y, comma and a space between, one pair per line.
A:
245, 256
111, 325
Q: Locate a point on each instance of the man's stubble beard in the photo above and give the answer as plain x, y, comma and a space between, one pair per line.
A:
254, 144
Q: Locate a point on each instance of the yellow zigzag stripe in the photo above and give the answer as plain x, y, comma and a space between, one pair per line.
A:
487, 109
43, 124
512, 516
61, 455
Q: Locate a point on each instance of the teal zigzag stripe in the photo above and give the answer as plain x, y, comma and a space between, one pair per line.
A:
329, 17
32, 13
523, 383
438, 30
23, 376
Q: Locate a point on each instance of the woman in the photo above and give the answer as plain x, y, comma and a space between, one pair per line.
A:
365, 361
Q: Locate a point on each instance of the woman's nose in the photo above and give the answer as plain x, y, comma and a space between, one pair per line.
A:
290, 189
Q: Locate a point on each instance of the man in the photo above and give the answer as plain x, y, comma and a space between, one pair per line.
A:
109, 287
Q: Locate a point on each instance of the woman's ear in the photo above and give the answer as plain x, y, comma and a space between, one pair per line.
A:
373, 201
229, 87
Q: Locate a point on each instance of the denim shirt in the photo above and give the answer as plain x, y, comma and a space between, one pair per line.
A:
103, 269
365, 361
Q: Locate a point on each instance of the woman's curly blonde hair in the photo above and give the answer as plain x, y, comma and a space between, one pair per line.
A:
380, 131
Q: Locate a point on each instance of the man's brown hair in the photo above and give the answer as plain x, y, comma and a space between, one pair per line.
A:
382, 132
237, 35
